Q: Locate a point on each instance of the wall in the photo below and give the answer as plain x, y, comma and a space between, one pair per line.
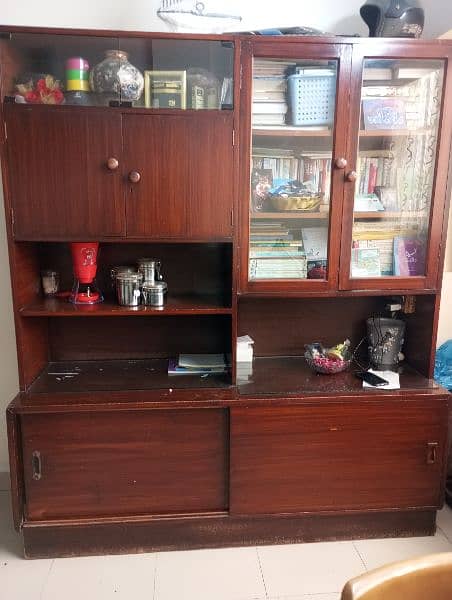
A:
328, 15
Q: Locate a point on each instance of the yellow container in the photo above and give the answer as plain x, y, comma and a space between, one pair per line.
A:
76, 85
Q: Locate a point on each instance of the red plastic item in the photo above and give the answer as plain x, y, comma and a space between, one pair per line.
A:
84, 260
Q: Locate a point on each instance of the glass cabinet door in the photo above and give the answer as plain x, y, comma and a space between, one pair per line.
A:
293, 109
400, 112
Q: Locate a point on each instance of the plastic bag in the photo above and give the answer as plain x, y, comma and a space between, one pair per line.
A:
443, 365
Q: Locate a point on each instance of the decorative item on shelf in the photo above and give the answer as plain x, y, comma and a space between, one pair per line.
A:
384, 113
128, 288
385, 337
42, 89
409, 256
203, 89
50, 282
295, 195
393, 18
77, 81
328, 360
261, 184
84, 259
115, 78
318, 271
209, 16
165, 89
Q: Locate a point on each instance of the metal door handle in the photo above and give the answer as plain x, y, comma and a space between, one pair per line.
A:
36, 465
432, 452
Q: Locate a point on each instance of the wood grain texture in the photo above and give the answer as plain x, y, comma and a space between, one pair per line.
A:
60, 185
132, 463
352, 457
15, 465
186, 184
122, 536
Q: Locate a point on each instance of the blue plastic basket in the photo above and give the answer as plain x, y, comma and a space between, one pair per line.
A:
312, 97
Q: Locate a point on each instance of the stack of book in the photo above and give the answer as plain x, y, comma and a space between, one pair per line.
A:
274, 253
375, 169
269, 92
198, 364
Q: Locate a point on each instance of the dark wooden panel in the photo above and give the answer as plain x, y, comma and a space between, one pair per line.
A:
15, 464
126, 463
60, 185
336, 458
107, 338
281, 326
121, 536
186, 184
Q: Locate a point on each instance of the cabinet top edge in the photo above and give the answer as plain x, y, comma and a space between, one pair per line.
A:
227, 36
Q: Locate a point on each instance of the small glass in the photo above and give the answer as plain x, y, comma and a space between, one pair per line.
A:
50, 282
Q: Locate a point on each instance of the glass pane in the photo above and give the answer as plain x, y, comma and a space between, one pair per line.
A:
63, 69
292, 142
194, 74
400, 110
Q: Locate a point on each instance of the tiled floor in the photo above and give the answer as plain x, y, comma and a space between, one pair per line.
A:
294, 572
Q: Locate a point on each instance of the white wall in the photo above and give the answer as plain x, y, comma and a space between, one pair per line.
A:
329, 15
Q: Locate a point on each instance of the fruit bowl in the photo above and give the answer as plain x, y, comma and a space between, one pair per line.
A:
326, 365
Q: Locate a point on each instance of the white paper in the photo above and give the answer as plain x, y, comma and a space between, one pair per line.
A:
390, 376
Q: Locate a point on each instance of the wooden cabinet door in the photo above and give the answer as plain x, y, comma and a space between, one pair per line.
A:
124, 463
185, 185
336, 458
61, 187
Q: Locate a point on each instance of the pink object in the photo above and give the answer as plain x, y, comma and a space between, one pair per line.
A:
77, 62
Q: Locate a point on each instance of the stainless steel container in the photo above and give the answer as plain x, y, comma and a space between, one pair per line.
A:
154, 293
115, 271
128, 290
150, 269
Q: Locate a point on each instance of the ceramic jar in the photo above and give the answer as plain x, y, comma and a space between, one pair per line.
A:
116, 77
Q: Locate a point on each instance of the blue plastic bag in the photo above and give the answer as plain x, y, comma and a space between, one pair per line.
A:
443, 365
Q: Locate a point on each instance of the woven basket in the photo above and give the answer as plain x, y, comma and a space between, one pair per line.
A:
303, 203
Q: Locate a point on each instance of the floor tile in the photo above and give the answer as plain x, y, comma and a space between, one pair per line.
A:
299, 569
376, 553
226, 574
123, 577
444, 521
310, 597
22, 579
10, 540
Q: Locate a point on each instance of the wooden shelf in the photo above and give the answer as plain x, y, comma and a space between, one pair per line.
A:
290, 215
324, 215
118, 375
180, 305
307, 132
290, 375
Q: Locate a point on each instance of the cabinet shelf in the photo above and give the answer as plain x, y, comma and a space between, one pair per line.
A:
299, 132
290, 375
403, 215
178, 305
118, 375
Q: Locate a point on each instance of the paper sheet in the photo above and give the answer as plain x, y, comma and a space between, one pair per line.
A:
390, 376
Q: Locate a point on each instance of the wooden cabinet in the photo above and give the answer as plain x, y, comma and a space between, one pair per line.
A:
61, 186
185, 175
333, 457
98, 464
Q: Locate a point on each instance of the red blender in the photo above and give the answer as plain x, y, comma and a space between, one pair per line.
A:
84, 259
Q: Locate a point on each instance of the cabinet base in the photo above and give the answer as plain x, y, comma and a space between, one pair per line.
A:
126, 536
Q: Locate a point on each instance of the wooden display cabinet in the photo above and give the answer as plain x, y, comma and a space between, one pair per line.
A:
108, 452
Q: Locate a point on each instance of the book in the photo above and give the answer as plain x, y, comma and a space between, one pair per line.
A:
175, 369
384, 113
315, 242
409, 257
204, 361
365, 262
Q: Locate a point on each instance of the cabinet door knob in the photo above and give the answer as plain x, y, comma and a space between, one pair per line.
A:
340, 163
351, 176
134, 177
112, 163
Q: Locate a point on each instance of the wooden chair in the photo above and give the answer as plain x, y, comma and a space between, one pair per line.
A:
425, 578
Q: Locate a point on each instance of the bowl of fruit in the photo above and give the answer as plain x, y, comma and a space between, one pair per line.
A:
328, 360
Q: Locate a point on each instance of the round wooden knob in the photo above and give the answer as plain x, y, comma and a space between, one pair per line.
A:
340, 163
112, 163
134, 177
351, 176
